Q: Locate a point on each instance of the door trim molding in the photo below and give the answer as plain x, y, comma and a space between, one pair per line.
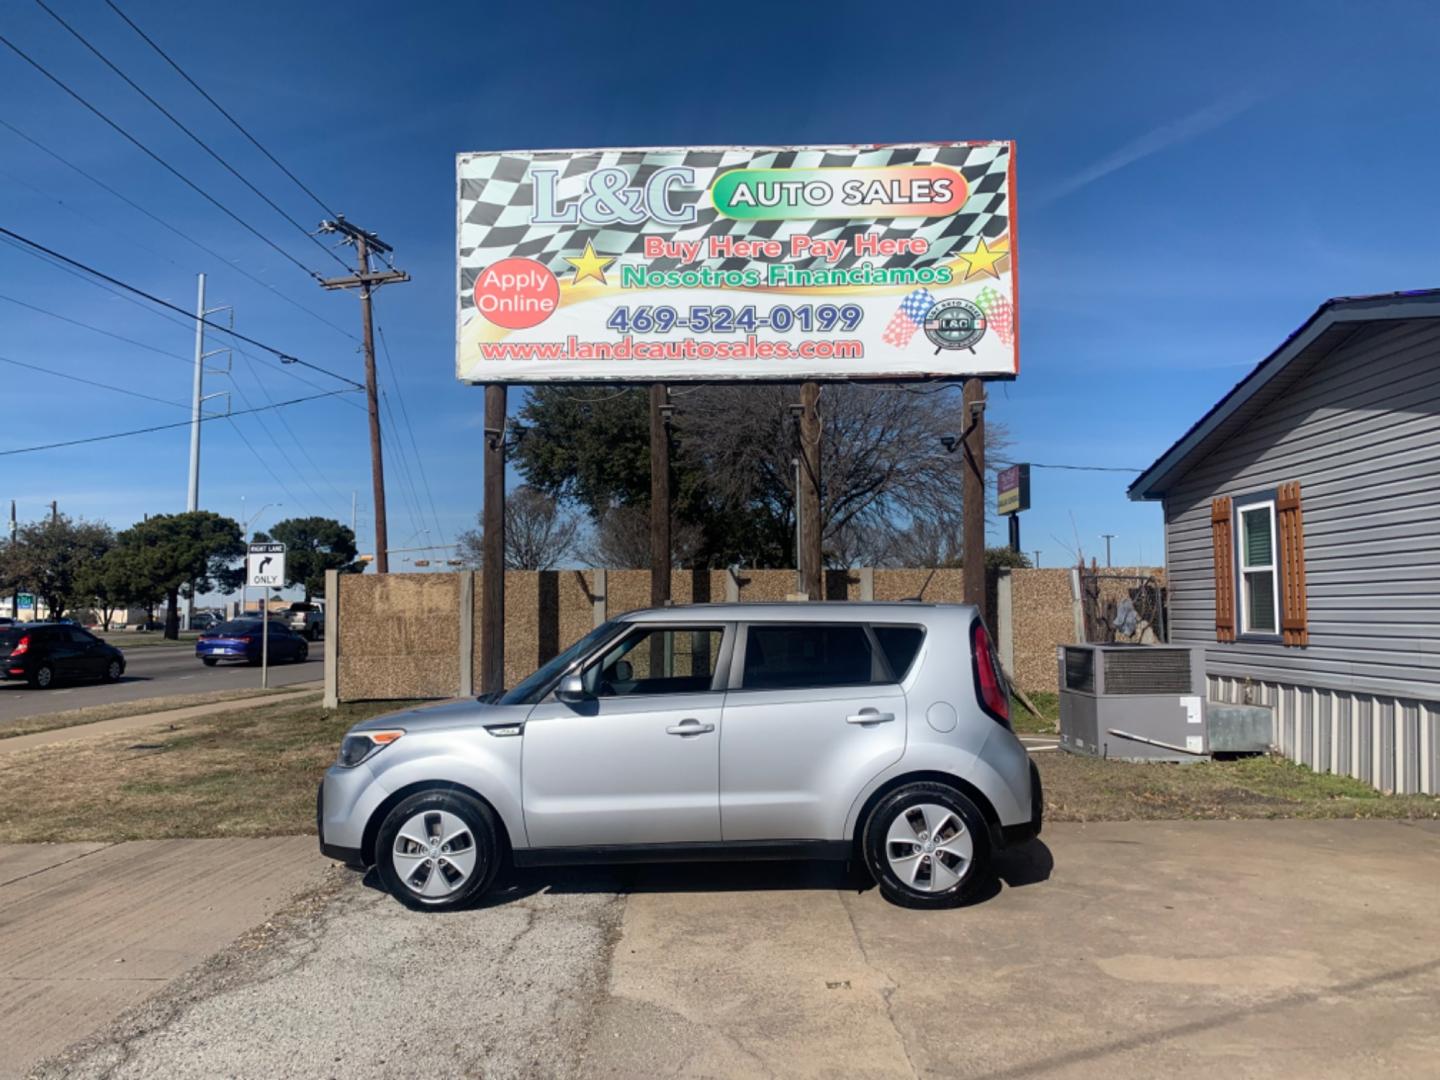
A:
720, 851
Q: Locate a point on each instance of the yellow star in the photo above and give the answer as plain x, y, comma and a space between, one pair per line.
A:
981, 262
590, 265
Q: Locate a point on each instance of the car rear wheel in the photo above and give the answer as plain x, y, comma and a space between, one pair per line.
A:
437, 850
927, 846
43, 677
114, 670
302, 653
209, 661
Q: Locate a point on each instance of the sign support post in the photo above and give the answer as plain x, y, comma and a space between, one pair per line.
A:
492, 580
265, 639
660, 543
811, 550
973, 493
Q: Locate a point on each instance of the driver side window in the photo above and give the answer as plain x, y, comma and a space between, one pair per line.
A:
657, 660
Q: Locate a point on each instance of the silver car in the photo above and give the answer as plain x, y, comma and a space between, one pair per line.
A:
875, 733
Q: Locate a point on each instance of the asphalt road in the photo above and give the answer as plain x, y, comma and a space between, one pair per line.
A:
154, 671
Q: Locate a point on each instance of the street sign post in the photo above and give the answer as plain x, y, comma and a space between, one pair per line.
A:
265, 570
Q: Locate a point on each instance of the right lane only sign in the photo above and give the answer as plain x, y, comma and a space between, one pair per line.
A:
265, 566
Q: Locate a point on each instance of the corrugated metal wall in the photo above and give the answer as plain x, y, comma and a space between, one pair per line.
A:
1392, 743
1361, 432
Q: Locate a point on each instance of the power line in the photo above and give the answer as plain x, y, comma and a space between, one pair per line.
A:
91, 382
166, 427
156, 157
1073, 468
240, 127
285, 358
195, 138
410, 430
97, 329
261, 459
229, 263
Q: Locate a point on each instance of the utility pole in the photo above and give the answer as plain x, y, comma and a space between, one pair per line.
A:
973, 492
54, 512
811, 551
14, 596
1037, 560
1107, 537
492, 577
660, 414
367, 282
352, 512
198, 396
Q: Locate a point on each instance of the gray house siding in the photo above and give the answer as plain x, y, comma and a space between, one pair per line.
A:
1360, 430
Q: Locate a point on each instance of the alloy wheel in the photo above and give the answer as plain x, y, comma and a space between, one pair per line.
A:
928, 847
44, 677
434, 854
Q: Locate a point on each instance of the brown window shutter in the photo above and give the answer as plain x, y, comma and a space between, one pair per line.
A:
1224, 569
1294, 618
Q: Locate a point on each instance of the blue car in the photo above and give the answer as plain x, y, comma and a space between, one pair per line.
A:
239, 639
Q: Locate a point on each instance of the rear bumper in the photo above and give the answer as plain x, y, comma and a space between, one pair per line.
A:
1029, 830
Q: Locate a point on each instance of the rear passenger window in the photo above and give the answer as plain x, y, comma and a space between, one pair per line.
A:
900, 644
795, 657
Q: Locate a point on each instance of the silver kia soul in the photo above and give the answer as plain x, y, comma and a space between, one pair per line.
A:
870, 732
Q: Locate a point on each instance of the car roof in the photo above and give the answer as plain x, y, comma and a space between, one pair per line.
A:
803, 611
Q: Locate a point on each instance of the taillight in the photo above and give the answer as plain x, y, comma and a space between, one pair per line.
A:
21, 647
243, 640
991, 690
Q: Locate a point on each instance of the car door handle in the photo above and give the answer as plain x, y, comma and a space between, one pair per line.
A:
870, 716
689, 727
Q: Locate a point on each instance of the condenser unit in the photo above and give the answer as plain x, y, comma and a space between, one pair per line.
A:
1133, 702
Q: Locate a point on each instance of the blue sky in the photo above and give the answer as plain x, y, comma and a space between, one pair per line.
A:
1191, 185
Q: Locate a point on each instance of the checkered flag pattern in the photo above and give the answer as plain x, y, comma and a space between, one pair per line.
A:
999, 315
496, 195
907, 319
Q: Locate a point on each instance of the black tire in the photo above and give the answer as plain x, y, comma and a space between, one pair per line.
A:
209, 661
43, 677
114, 670
302, 654
973, 873
480, 822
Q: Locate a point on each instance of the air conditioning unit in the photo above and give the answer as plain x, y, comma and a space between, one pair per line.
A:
1133, 702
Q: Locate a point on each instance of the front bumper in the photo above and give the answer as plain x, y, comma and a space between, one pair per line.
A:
350, 856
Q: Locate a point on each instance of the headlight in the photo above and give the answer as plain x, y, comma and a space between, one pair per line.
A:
364, 745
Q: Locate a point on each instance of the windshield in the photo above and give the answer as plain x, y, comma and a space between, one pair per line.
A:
531, 689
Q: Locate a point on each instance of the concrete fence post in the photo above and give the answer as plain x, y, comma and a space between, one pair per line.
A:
1077, 606
600, 599
867, 583
332, 639
1005, 620
732, 587
467, 633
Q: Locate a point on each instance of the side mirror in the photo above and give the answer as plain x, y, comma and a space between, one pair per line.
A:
571, 690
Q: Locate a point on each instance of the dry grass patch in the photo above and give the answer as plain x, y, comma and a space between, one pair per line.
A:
1092, 789
91, 714
246, 772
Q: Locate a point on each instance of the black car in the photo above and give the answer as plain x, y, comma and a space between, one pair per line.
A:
43, 654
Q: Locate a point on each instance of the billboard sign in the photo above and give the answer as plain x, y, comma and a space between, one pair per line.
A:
1012, 487
880, 262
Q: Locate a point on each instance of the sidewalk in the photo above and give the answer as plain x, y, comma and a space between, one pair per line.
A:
89, 930
168, 717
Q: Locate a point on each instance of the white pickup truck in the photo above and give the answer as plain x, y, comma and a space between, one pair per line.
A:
307, 619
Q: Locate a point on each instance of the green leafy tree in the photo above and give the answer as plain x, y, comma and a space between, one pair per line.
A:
47, 558
175, 552
1002, 558
312, 546
117, 580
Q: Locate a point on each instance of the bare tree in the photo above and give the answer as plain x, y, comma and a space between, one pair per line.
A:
887, 483
621, 540
539, 535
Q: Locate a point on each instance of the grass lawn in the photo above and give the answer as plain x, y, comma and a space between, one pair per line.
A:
253, 771
1092, 789
29, 725
250, 772
1047, 723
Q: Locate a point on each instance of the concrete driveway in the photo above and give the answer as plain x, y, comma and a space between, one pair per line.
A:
1256, 949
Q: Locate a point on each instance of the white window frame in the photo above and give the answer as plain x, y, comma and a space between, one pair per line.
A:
1273, 566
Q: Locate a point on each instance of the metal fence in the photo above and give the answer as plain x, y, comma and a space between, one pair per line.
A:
1125, 608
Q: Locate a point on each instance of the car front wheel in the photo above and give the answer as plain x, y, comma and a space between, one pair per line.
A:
927, 846
437, 850
114, 670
